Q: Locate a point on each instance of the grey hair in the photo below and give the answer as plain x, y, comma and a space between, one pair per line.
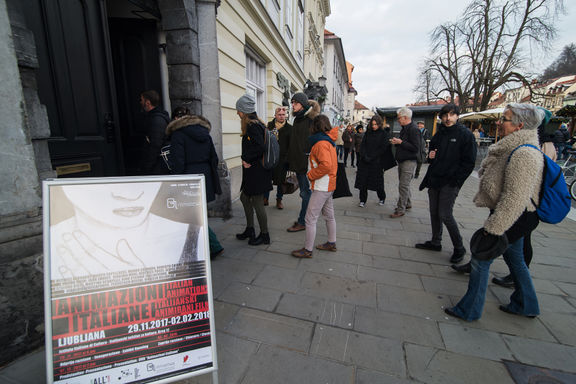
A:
404, 111
528, 114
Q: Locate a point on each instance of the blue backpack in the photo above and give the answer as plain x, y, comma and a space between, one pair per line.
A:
555, 201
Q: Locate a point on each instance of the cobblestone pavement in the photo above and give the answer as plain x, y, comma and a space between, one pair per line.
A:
372, 312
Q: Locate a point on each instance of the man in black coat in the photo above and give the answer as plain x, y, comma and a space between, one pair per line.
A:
282, 129
452, 156
155, 126
407, 147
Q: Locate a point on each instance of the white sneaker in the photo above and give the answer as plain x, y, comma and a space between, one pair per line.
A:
381, 202
362, 204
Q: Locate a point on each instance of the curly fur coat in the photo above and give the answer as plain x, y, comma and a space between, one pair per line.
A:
508, 188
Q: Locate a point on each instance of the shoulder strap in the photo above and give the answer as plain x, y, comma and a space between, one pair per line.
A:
523, 145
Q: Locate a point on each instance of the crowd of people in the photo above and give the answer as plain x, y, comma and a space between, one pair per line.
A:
311, 148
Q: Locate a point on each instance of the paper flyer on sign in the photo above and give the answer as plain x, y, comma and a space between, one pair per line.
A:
128, 284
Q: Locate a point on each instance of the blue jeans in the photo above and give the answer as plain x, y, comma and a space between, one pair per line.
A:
523, 300
279, 194
304, 187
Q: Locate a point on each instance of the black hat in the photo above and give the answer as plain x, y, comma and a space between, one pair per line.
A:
486, 246
301, 98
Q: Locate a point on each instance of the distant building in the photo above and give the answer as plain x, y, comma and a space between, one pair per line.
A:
350, 100
336, 75
361, 114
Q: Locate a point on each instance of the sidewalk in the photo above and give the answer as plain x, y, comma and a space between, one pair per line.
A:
373, 311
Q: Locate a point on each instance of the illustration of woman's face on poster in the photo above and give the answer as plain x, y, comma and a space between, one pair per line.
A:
121, 205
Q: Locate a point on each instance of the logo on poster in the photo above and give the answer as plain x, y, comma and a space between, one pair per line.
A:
150, 367
171, 203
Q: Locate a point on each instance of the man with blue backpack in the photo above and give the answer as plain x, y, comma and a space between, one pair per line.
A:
515, 181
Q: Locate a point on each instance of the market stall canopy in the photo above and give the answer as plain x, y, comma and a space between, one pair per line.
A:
489, 114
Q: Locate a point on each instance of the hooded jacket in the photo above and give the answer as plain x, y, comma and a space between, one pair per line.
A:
192, 151
323, 164
508, 187
455, 157
299, 147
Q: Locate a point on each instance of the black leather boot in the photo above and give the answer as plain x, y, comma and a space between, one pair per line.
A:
247, 234
263, 238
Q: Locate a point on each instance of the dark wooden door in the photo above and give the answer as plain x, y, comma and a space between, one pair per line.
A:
135, 52
75, 82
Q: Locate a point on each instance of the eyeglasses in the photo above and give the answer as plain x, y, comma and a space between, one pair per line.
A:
502, 120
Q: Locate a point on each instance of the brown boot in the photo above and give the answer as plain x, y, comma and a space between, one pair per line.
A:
279, 204
265, 202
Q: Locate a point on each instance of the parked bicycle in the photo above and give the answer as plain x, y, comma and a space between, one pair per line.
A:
569, 169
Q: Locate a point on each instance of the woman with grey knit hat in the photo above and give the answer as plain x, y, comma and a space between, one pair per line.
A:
256, 180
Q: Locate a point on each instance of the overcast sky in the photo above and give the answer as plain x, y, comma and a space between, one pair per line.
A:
386, 40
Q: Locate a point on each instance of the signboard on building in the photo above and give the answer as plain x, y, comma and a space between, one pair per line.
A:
128, 295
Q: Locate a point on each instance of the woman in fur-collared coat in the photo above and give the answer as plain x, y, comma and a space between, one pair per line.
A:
509, 186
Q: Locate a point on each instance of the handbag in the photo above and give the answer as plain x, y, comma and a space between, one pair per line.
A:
342, 187
388, 159
290, 184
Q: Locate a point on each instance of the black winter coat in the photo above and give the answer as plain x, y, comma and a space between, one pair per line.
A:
455, 157
155, 123
283, 135
255, 180
410, 136
299, 146
192, 152
370, 173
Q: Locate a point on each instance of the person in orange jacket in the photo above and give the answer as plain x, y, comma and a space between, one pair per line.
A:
323, 166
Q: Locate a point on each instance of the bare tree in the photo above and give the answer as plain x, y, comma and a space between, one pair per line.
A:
473, 58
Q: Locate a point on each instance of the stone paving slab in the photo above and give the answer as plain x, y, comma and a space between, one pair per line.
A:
272, 329
398, 279
365, 376
474, 342
412, 302
278, 278
362, 350
561, 325
435, 366
251, 296
334, 268
339, 289
542, 354
273, 365
397, 326
317, 310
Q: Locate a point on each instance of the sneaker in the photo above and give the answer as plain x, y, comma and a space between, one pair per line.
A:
457, 256
296, 227
302, 253
327, 246
429, 246
362, 204
381, 202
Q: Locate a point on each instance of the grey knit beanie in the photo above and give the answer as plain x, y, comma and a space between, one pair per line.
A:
301, 98
246, 104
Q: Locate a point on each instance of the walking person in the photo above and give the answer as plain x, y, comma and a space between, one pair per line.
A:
509, 183
452, 156
323, 165
192, 152
358, 136
282, 129
304, 111
370, 161
407, 146
340, 143
256, 180
155, 121
348, 139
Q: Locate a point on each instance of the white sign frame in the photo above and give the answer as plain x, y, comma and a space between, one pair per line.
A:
60, 275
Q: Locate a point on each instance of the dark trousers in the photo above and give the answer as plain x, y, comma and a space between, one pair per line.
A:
351, 152
364, 194
441, 206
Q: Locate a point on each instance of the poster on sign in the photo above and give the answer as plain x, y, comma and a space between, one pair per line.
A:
128, 295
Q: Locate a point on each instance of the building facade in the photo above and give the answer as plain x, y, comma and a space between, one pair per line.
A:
336, 75
268, 49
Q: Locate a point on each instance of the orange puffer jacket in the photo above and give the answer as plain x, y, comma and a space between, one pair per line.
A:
323, 163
